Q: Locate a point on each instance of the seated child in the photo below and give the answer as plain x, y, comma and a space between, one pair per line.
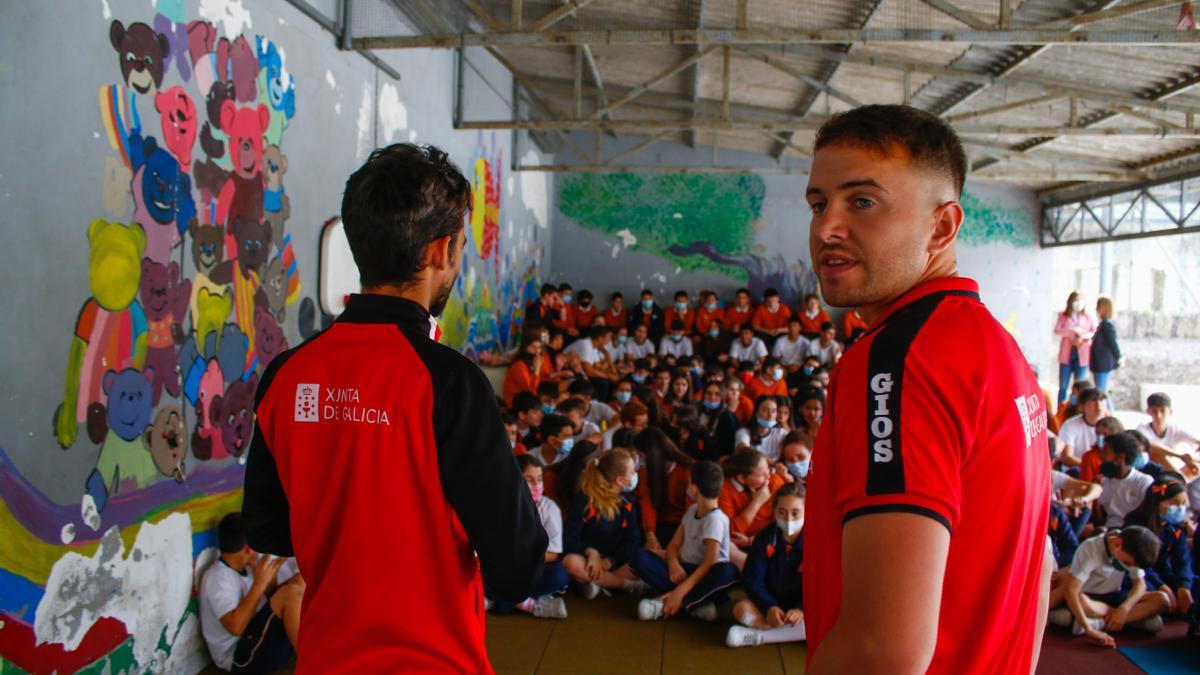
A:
575, 410
1095, 592
248, 618
1123, 487
513, 430
602, 529
543, 603
558, 439
1165, 513
794, 457
662, 485
696, 573
746, 498
1089, 463
773, 610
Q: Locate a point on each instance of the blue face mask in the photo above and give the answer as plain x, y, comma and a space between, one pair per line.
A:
632, 484
768, 424
681, 307
711, 306
622, 339
799, 469
712, 405
647, 305
639, 378
1099, 441
624, 396
714, 332
1175, 514
567, 298
1142, 460
808, 371
567, 446
676, 338
547, 408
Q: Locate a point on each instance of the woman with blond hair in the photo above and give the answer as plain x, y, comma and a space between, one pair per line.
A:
1106, 352
1076, 328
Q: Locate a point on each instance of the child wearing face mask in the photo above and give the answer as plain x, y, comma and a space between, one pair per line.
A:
696, 573
769, 381
1165, 513
1089, 464
794, 457
708, 312
773, 610
682, 312
762, 432
1123, 488
746, 498
585, 312
718, 420
602, 528
558, 440
544, 602
676, 343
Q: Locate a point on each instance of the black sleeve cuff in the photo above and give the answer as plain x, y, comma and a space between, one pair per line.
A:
897, 508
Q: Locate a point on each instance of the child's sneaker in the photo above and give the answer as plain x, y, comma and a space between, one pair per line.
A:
740, 636
650, 609
1061, 617
488, 605
590, 590
550, 607
1153, 624
637, 587
705, 612
1095, 622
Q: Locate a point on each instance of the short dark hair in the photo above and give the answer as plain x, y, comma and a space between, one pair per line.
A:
564, 286
599, 332
708, 478
811, 296
586, 295
552, 425
790, 490
231, 533
770, 362
828, 325
647, 291
795, 318
1123, 445
741, 291
572, 404
1158, 400
641, 364
1140, 543
581, 388
771, 293
1091, 394
524, 401
676, 324
529, 459
548, 389
547, 289
507, 418
929, 141
615, 295
403, 198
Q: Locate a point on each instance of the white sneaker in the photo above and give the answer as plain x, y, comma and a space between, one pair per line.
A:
1061, 617
590, 590
550, 607
650, 609
488, 605
1096, 623
1153, 624
705, 612
740, 636
638, 587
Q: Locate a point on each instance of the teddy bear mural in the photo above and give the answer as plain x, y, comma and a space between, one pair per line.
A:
187, 292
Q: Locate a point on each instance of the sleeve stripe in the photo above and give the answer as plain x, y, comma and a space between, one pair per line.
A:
897, 508
885, 380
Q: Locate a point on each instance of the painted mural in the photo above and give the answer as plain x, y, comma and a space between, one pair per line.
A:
486, 307
191, 275
992, 221
695, 221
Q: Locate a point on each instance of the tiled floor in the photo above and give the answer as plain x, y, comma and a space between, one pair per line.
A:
604, 636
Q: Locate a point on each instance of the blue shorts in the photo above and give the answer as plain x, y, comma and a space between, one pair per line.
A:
264, 646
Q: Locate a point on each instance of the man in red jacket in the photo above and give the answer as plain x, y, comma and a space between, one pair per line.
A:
379, 457
929, 488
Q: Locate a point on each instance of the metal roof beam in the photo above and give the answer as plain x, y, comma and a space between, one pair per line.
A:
815, 122
779, 36
959, 14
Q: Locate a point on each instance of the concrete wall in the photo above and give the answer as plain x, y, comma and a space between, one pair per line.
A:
101, 523
629, 232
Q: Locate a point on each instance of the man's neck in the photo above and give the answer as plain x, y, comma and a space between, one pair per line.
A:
1160, 429
416, 292
871, 312
705, 506
234, 563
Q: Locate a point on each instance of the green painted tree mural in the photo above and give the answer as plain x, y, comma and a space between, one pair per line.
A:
991, 221
668, 211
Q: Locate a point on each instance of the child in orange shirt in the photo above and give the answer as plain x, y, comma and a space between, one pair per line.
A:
585, 312
769, 381
746, 499
662, 485
1089, 464
771, 317
707, 312
741, 312
681, 311
812, 317
616, 315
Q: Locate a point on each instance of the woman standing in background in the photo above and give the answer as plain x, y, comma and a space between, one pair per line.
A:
1076, 328
1106, 352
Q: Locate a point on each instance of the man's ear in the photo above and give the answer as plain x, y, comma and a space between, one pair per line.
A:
948, 218
440, 252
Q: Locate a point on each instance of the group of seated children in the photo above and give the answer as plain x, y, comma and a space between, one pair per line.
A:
1122, 521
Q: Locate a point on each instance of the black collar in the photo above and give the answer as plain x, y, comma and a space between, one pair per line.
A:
374, 308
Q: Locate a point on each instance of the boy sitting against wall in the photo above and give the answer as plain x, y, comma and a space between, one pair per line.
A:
249, 618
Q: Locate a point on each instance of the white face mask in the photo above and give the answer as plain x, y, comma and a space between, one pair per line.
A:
1077, 305
790, 527
777, 373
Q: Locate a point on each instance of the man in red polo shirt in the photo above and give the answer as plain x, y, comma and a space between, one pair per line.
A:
929, 488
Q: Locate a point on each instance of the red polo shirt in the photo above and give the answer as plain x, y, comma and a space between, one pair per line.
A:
936, 412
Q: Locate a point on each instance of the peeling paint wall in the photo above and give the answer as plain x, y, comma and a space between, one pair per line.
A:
119, 325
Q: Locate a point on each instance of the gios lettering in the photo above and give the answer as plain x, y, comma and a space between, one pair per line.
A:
881, 423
